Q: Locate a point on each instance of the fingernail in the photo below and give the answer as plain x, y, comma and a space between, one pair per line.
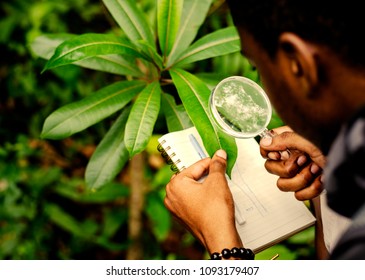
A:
266, 141
273, 155
314, 168
301, 160
222, 154
284, 155
321, 178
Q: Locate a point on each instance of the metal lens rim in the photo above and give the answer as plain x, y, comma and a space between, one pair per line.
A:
226, 128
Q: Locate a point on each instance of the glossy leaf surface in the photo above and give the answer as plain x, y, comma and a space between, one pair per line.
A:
193, 15
79, 115
110, 155
176, 116
45, 45
168, 21
91, 45
148, 51
195, 97
142, 118
130, 19
215, 44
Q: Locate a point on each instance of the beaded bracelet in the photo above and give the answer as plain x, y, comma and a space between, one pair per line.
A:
239, 253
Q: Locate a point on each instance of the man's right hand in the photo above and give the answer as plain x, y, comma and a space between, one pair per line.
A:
301, 172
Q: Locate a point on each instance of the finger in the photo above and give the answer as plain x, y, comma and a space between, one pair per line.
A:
287, 168
197, 170
302, 180
281, 129
314, 190
291, 141
273, 155
218, 163
282, 155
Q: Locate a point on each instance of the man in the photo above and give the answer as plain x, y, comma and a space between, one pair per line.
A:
311, 59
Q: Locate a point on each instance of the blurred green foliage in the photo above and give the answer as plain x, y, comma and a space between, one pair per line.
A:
46, 211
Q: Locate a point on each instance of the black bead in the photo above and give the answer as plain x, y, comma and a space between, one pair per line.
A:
215, 256
238, 253
247, 254
235, 252
242, 253
250, 255
226, 254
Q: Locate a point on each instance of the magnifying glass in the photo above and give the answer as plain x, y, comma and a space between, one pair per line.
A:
241, 108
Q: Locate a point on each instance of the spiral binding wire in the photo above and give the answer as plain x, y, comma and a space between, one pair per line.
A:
168, 158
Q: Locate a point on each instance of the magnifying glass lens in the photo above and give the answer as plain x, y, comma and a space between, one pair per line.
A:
240, 107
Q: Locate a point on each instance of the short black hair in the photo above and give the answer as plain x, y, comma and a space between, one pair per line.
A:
339, 25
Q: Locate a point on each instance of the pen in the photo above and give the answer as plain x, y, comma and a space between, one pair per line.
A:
196, 146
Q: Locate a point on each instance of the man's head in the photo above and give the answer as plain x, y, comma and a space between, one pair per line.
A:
311, 58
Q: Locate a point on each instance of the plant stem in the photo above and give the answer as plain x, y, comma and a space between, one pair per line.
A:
136, 204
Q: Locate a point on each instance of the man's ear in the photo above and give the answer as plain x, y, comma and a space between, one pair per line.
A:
300, 60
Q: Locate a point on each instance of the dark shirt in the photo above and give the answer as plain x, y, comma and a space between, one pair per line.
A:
345, 184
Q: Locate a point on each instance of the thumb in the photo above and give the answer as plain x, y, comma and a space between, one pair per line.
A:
218, 164
292, 141
269, 144
283, 141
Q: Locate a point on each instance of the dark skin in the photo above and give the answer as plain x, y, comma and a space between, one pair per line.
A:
312, 88
311, 95
301, 172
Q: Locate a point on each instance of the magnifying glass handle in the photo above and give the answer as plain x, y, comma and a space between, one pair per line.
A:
270, 133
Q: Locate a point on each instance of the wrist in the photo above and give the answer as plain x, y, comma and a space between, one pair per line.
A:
221, 239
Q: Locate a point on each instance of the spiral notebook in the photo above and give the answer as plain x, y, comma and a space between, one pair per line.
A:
264, 214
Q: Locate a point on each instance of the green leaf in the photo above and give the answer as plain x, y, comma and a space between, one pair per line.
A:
113, 63
218, 43
65, 221
211, 79
90, 45
45, 45
195, 96
168, 21
159, 216
131, 20
79, 115
110, 155
304, 238
193, 15
148, 50
176, 116
110, 192
114, 218
142, 119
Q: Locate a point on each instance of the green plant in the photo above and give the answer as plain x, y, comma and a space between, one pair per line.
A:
153, 80
46, 211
